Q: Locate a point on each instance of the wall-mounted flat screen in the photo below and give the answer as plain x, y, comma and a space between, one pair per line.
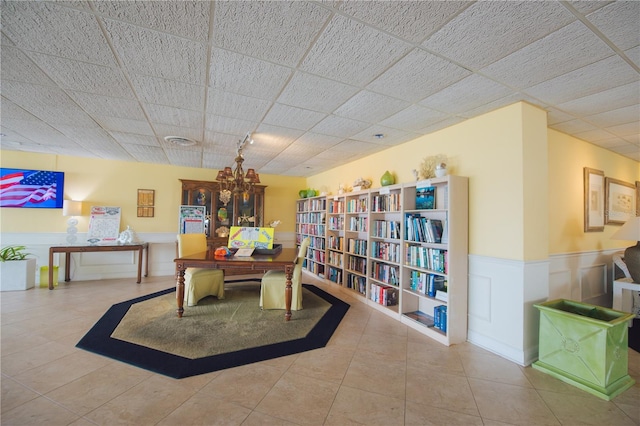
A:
31, 188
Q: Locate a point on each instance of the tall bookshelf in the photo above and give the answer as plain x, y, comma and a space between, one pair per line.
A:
403, 250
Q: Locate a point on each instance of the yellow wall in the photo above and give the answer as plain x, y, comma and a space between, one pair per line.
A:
115, 183
567, 158
489, 150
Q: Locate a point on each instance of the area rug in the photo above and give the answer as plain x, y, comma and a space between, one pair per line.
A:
215, 334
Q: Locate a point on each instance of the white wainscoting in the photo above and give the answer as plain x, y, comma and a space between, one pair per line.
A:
502, 318
109, 265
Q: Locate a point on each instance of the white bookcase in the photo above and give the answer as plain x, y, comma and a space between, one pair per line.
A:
386, 246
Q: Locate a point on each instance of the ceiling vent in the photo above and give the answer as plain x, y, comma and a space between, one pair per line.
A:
180, 141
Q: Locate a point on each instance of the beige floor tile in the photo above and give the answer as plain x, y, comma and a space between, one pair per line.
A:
61, 371
355, 406
146, 403
299, 399
203, 410
433, 355
246, 385
511, 404
14, 394
491, 367
39, 411
383, 347
543, 381
441, 390
586, 409
328, 364
36, 356
260, 419
383, 377
98, 387
422, 414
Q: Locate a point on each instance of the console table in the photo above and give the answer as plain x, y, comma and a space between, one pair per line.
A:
67, 250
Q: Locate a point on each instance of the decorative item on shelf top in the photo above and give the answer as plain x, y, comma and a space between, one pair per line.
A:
387, 179
236, 181
128, 236
441, 170
225, 196
429, 164
361, 183
311, 193
222, 231
341, 189
302, 193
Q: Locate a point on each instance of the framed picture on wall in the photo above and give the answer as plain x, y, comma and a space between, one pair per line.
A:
621, 201
593, 200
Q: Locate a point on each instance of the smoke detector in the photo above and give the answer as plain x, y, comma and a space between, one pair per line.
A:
180, 141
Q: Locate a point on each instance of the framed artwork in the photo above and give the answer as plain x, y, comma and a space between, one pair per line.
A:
621, 201
146, 201
593, 200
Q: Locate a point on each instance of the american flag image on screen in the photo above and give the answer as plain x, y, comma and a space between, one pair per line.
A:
31, 188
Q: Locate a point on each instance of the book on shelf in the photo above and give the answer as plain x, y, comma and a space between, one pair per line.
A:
425, 197
442, 295
420, 317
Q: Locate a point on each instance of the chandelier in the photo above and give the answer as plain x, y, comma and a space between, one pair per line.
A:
235, 181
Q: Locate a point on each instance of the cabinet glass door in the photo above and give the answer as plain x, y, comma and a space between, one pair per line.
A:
224, 213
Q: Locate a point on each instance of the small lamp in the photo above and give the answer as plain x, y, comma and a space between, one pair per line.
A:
631, 231
72, 208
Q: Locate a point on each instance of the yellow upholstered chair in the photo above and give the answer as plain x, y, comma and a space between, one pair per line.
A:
273, 284
199, 282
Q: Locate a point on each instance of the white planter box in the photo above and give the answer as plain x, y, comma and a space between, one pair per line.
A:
17, 275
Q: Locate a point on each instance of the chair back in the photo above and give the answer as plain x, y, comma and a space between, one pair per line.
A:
302, 253
189, 244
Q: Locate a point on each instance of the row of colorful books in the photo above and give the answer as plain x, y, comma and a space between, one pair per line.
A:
357, 206
427, 284
358, 224
388, 274
422, 229
357, 283
386, 229
427, 258
336, 223
440, 318
384, 294
386, 203
386, 251
335, 242
357, 246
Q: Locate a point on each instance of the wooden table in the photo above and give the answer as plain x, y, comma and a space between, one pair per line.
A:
284, 260
67, 250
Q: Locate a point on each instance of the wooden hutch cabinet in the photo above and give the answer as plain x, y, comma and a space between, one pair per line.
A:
245, 209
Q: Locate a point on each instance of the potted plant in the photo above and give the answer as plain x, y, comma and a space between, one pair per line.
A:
17, 269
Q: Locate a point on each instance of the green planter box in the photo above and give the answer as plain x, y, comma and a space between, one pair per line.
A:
585, 345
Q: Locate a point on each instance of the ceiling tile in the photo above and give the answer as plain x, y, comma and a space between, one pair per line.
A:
174, 116
390, 136
84, 77
188, 19
609, 99
96, 106
279, 31
370, 107
339, 126
574, 126
503, 30
9, 110
232, 126
236, 106
244, 75
172, 93
269, 137
568, 49
414, 118
587, 6
126, 139
634, 55
147, 154
597, 77
598, 135
48, 28
144, 51
163, 130
625, 130
293, 117
315, 93
352, 52
316, 140
417, 75
16, 66
618, 22
116, 124
412, 21
468, 93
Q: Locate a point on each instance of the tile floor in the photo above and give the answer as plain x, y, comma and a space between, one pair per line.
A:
375, 371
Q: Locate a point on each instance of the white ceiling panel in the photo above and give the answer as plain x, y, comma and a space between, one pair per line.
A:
308, 79
488, 31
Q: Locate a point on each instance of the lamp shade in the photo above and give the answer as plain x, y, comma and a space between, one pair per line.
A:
71, 208
629, 231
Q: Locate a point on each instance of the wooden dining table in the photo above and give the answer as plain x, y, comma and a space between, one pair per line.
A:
283, 260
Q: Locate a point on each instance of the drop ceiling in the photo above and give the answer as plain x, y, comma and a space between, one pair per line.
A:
313, 82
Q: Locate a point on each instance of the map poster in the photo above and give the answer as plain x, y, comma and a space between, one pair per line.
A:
104, 225
192, 219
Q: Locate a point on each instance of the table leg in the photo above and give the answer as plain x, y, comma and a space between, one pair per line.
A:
140, 265
288, 292
50, 269
67, 266
146, 263
180, 290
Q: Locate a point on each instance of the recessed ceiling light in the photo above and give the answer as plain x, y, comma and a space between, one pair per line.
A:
378, 135
180, 141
